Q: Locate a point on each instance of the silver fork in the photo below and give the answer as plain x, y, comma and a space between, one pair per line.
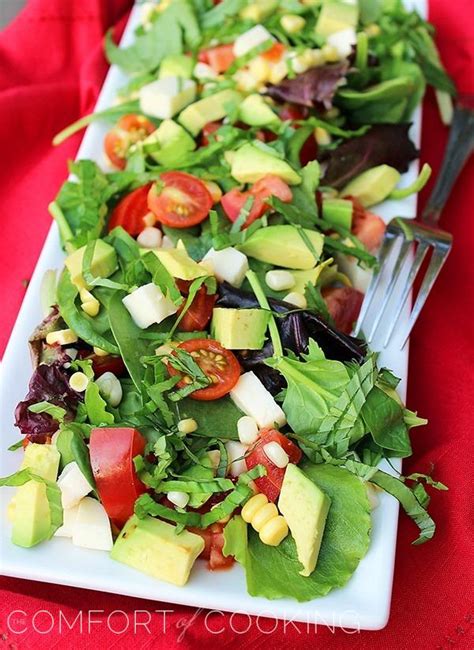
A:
426, 236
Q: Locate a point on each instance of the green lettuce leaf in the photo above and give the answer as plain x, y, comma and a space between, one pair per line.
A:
273, 572
235, 539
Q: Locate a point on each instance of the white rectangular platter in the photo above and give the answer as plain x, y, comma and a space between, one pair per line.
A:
364, 603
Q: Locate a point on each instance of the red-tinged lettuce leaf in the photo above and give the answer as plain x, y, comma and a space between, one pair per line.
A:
314, 88
47, 384
383, 144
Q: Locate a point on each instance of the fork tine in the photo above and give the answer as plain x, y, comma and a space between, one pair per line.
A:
402, 255
385, 250
436, 264
420, 255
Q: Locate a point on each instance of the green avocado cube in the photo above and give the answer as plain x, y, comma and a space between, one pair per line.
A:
209, 109
373, 185
176, 65
104, 263
239, 329
250, 163
285, 246
336, 15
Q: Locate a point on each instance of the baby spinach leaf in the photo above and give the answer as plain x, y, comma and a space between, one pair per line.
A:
97, 413
384, 419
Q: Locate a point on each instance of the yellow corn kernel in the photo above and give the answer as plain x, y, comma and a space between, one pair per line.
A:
61, 337
245, 81
278, 72
330, 53
259, 68
214, 190
313, 58
251, 12
91, 307
372, 30
263, 515
100, 353
149, 220
85, 295
252, 506
78, 381
292, 24
188, 425
322, 136
274, 531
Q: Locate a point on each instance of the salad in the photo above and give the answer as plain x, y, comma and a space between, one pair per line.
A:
197, 391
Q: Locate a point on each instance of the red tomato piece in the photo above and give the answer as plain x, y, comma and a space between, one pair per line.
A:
291, 112
109, 363
220, 58
366, 226
219, 364
199, 313
128, 130
270, 185
179, 200
271, 484
112, 451
213, 544
344, 305
275, 53
208, 130
130, 211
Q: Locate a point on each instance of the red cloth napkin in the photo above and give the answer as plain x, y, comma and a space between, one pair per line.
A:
51, 69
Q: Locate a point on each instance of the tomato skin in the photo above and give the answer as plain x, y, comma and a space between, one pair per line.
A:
109, 363
291, 112
112, 451
226, 376
270, 185
270, 485
200, 311
366, 226
309, 151
180, 200
220, 58
213, 544
274, 53
130, 211
207, 130
344, 305
129, 129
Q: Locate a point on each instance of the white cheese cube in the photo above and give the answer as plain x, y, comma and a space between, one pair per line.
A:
73, 485
229, 265
92, 527
69, 520
250, 39
343, 41
251, 397
236, 458
148, 305
166, 97
204, 71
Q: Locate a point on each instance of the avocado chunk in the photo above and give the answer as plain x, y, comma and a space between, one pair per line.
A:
178, 263
104, 263
302, 278
254, 111
209, 109
239, 329
176, 65
338, 212
153, 547
285, 246
373, 185
169, 144
335, 16
250, 163
29, 509
258, 10
305, 509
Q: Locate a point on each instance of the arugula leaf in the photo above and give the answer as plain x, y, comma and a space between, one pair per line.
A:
162, 278
56, 412
273, 572
96, 406
217, 15
235, 539
172, 32
53, 494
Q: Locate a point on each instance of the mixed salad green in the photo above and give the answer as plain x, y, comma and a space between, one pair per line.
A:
196, 390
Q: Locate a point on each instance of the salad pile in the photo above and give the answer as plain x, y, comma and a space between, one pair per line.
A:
196, 389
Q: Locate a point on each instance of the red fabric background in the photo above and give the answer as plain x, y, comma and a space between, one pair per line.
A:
51, 69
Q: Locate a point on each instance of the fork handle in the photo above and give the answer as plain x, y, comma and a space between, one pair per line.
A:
459, 148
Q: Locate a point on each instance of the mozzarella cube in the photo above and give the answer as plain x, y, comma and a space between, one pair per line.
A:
343, 41
73, 485
166, 97
92, 527
359, 277
236, 458
250, 39
204, 71
251, 397
229, 265
148, 305
69, 520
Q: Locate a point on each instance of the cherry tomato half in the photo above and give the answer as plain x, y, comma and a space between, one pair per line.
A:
130, 211
220, 58
344, 305
207, 130
270, 185
271, 484
128, 130
219, 364
109, 363
112, 451
274, 53
179, 200
366, 226
213, 537
199, 313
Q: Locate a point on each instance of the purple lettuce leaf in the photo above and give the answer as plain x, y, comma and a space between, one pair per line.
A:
314, 88
50, 384
383, 144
